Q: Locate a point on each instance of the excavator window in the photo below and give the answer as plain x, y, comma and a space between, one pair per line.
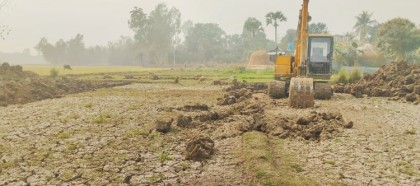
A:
320, 54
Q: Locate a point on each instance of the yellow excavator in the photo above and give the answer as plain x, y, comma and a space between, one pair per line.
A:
305, 75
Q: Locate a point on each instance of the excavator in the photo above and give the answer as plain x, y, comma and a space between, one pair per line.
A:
304, 76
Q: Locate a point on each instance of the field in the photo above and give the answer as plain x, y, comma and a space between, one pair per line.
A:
109, 136
97, 72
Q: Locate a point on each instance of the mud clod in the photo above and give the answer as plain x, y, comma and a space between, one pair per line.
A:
184, 121
196, 107
154, 77
220, 82
208, 116
163, 126
349, 125
411, 97
314, 126
199, 148
129, 76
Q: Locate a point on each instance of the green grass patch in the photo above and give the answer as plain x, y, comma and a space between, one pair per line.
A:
44, 70
156, 178
343, 76
331, 162
164, 157
141, 74
136, 132
408, 169
266, 162
64, 135
89, 105
102, 118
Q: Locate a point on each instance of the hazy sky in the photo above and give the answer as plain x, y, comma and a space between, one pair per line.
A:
101, 21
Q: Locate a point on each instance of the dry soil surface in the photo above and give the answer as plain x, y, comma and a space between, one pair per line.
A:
105, 137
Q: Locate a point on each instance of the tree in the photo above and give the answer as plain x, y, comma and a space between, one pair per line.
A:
234, 48
156, 32
398, 37
373, 33
205, 41
290, 37
275, 18
252, 26
47, 50
349, 36
318, 28
364, 24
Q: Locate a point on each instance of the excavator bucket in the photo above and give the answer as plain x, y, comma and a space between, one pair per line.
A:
301, 93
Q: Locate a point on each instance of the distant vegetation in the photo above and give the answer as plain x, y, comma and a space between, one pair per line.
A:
162, 39
396, 39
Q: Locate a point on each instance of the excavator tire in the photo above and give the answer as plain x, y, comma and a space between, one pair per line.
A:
301, 93
277, 89
323, 91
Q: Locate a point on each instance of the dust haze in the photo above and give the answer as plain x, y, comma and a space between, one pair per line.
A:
209, 92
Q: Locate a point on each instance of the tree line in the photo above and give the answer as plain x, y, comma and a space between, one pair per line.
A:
162, 39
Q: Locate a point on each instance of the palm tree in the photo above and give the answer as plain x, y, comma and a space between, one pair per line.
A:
252, 25
275, 18
363, 24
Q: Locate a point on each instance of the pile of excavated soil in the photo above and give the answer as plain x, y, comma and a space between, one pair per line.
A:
238, 92
399, 80
314, 126
19, 87
242, 109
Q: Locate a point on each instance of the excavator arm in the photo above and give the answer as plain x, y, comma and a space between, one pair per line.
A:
302, 40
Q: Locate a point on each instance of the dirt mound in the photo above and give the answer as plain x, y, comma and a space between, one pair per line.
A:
397, 79
163, 126
235, 96
199, 148
315, 126
238, 92
259, 60
19, 87
183, 121
196, 107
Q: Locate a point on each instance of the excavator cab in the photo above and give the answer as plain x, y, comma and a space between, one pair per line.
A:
320, 53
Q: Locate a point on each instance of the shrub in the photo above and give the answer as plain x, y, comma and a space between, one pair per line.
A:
54, 72
341, 77
355, 75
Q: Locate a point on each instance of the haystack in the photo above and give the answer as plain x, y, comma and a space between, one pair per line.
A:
259, 60
371, 56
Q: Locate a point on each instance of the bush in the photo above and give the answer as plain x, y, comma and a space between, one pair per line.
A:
355, 75
54, 72
341, 77
345, 77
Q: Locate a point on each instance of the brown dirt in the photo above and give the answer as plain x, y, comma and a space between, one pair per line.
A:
399, 80
19, 87
163, 125
58, 142
314, 126
199, 148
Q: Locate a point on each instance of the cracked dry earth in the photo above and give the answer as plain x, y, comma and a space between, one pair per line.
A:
383, 148
104, 138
